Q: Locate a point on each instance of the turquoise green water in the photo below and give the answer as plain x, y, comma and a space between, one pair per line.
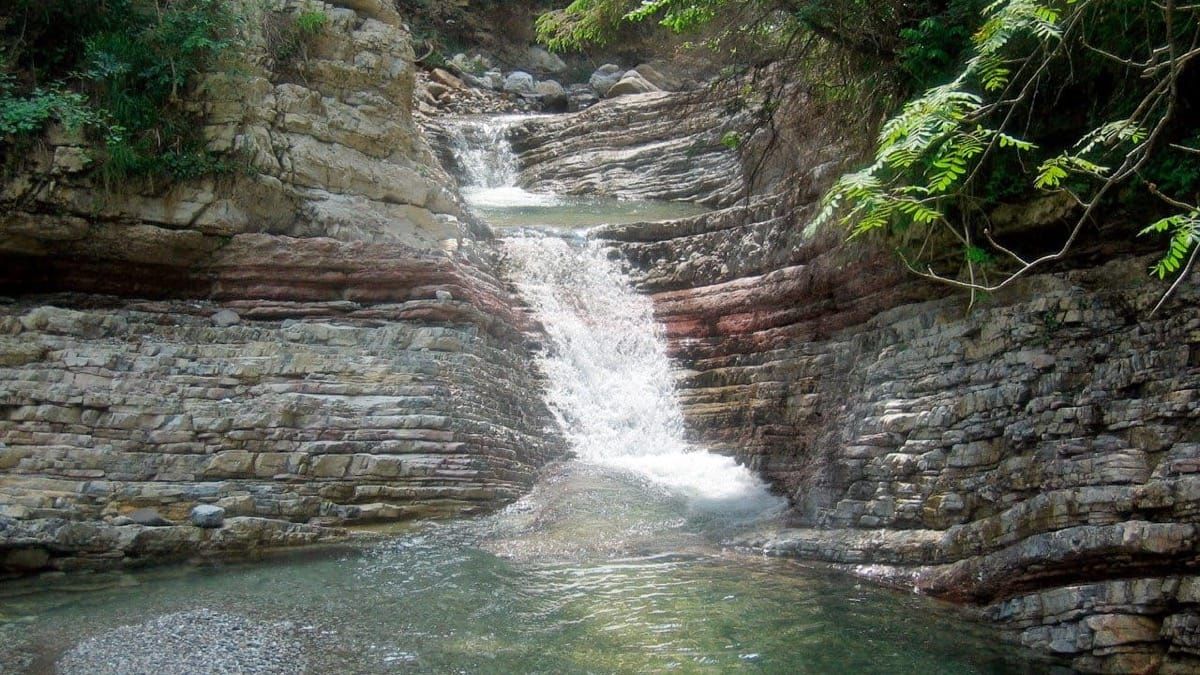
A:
514, 207
597, 571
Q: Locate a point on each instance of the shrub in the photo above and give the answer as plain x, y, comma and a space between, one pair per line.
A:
118, 70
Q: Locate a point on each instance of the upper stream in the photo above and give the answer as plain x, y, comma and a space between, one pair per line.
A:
612, 564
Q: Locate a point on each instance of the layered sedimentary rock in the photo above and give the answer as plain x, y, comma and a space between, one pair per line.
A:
317, 341
393, 401
322, 141
645, 146
1035, 456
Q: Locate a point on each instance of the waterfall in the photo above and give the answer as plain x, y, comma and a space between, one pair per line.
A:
488, 166
610, 381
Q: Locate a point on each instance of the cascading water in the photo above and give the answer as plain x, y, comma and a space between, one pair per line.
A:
610, 381
489, 168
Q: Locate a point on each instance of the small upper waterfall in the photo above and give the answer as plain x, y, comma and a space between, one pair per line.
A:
488, 166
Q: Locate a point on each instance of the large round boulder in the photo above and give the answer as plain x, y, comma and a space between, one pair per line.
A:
605, 77
554, 97
520, 82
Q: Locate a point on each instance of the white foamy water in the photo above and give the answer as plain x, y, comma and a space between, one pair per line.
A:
610, 381
489, 165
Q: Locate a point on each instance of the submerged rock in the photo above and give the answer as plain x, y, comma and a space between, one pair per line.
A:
199, 641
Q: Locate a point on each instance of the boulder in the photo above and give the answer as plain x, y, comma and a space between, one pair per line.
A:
446, 78
226, 318
661, 75
208, 516
554, 97
549, 88
631, 83
542, 61
605, 77
493, 79
519, 82
469, 65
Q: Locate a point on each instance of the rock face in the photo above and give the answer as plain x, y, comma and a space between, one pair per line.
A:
327, 141
364, 383
1034, 457
654, 146
317, 344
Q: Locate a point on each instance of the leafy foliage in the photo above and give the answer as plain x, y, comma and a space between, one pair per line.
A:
289, 37
931, 172
116, 69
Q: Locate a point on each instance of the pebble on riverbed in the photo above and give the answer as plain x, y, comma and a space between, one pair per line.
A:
199, 641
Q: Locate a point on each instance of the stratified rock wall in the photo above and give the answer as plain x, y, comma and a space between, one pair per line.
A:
318, 341
644, 146
1036, 456
321, 143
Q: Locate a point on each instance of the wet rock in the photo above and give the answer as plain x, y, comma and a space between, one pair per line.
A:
655, 146
207, 516
630, 83
25, 560
605, 77
581, 96
554, 97
520, 83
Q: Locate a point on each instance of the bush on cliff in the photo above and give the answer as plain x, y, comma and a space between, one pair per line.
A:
116, 71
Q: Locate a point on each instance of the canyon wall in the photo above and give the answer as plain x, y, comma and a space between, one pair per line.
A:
1035, 456
315, 341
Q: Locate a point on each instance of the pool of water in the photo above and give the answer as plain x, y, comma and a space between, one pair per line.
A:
598, 570
515, 207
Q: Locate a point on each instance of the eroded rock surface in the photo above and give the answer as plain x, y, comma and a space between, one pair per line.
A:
1034, 456
646, 146
324, 145
319, 341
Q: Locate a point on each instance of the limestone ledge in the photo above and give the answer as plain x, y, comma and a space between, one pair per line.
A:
338, 415
643, 146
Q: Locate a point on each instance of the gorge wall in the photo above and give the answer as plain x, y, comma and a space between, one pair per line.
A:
1035, 456
316, 341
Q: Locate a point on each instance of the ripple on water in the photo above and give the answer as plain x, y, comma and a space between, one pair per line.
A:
653, 593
